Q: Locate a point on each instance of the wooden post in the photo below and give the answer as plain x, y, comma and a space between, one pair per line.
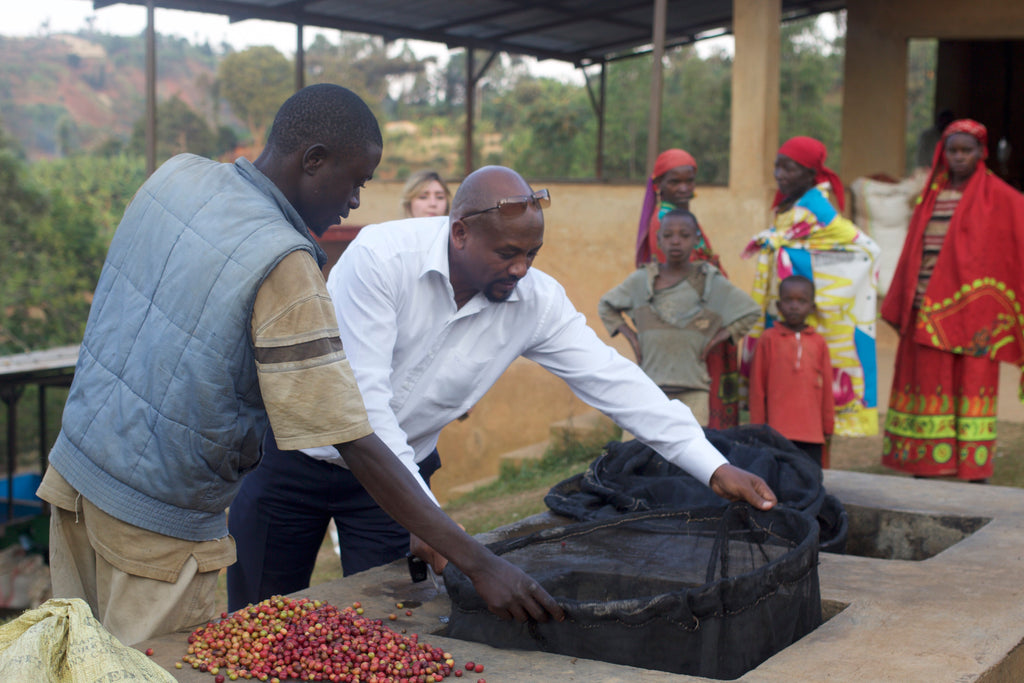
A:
654, 114
300, 59
470, 106
150, 89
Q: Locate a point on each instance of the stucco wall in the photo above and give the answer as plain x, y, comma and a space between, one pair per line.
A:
874, 98
590, 231
591, 228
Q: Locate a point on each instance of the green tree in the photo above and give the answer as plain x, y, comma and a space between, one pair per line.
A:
696, 110
22, 206
179, 129
56, 219
52, 275
627, 108
67, 136
362, 64
254, 83
550, 128
811, 85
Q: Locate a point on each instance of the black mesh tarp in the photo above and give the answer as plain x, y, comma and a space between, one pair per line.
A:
711, 592
632, 477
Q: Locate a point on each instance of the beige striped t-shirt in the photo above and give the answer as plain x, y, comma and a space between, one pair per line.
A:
310, 394
308, 387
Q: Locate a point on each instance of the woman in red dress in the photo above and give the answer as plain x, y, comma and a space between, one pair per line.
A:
955, 301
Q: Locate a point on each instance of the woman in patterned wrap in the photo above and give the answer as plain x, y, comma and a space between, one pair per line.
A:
955, 301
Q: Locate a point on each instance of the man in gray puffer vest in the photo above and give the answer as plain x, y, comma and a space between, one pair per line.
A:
210, 321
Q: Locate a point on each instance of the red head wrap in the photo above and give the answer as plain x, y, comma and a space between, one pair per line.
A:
671, 158
811, 154
666, 161
969, 126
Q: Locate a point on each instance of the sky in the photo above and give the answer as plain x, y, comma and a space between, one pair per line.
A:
27, 18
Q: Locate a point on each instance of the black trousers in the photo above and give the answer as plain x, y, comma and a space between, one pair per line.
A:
280, 517
811, 449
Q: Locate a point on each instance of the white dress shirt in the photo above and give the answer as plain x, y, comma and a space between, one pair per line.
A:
420, 362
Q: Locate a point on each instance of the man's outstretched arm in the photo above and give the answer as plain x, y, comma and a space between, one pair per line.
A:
507, 590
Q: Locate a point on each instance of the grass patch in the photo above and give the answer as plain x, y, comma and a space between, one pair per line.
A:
864, 454
483, 516
519, 490
566, 455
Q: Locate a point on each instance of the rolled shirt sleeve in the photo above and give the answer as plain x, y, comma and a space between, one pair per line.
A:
308, 387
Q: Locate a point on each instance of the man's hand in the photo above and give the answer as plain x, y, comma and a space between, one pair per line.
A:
733, 483
511, 594
508, 592
436, 560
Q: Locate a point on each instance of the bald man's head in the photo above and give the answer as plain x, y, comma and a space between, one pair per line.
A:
484, 187
497, 228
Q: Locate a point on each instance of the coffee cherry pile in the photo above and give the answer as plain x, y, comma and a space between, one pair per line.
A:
309, 640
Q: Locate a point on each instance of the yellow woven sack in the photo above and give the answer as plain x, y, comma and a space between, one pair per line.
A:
60, 641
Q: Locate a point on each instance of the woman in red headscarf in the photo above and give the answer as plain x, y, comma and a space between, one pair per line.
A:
671, 185
955, 301
810, 237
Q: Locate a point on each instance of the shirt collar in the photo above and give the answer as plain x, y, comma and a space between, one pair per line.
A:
437, 253
267, 187
807, 329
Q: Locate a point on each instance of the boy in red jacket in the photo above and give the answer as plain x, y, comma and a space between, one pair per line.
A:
791, 374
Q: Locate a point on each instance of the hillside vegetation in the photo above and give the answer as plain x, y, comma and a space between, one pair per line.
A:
65, 94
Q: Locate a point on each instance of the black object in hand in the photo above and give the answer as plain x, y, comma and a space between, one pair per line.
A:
417, 568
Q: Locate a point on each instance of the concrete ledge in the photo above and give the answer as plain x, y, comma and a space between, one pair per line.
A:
954, 617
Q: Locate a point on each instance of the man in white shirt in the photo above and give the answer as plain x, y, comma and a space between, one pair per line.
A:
431, 312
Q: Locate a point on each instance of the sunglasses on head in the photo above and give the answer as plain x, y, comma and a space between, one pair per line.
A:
516, 206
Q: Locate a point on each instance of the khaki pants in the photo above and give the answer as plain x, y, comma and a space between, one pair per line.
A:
698, 401
133, 608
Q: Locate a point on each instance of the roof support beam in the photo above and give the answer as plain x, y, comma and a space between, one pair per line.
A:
300, 59
598, 104
150, 89
654, 114
467, 165
472, 78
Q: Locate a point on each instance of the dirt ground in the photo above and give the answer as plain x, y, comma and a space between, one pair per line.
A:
865, 452
856, 453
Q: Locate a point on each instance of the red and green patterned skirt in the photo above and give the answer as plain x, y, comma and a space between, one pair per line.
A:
724, 400
941, 419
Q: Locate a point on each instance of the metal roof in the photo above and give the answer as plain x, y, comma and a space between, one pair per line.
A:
578, 31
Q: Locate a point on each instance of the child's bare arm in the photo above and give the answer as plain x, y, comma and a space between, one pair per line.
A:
634, 341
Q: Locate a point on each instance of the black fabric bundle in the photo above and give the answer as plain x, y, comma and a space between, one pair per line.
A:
632, 477
708, 592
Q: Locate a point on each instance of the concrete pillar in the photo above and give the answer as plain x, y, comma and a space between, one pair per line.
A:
874, 93
755, 96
